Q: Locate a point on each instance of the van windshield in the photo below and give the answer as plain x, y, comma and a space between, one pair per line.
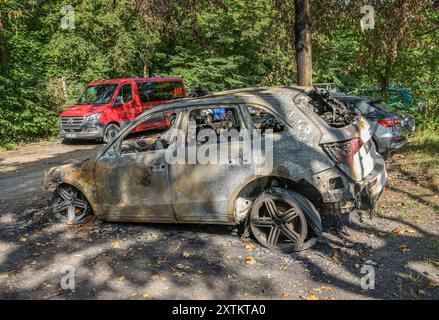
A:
98, 94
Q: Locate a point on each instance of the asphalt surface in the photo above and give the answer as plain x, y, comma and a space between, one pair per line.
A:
146, 261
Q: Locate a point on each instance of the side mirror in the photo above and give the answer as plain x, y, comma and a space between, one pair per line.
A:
118, 102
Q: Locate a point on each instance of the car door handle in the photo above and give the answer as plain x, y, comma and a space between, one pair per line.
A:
158, 167
236, 161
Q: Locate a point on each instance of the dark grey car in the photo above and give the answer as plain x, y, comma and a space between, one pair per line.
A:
390, 129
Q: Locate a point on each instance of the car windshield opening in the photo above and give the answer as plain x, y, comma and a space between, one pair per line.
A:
98, 94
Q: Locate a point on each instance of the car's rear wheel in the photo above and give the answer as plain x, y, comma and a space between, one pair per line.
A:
111, 132
69, 205
278, 222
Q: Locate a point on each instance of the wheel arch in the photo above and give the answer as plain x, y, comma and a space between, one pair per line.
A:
78, 175
80, 189
112, 122
251, 188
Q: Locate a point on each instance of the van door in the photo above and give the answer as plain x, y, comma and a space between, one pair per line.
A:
128, 107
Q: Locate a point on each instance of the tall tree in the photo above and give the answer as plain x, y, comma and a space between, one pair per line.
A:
302, 28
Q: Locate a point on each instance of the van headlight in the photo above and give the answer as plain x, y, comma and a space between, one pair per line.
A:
93, 117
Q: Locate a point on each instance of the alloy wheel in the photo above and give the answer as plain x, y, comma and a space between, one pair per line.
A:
278, 223
70, 205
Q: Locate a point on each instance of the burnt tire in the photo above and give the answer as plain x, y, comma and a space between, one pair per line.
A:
70, 206
292, 224
110, 132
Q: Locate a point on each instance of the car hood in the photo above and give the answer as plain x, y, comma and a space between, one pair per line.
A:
81, 110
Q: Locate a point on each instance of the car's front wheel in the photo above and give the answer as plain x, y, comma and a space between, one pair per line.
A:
111, 132
69, 205
278, 222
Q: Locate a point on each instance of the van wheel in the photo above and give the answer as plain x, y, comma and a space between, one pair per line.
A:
278, 222
69, 205
110, 132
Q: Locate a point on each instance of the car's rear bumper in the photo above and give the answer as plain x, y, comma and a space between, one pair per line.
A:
350, 195
373, 185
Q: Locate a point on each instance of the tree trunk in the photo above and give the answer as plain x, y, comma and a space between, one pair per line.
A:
2, 44
302, 28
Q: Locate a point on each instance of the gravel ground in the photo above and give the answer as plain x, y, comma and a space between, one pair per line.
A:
147, 261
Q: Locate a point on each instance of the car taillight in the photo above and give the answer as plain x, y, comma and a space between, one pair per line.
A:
343, 152
389, 122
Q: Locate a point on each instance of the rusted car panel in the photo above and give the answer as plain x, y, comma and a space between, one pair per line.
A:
134, 188
144, 187
80, 175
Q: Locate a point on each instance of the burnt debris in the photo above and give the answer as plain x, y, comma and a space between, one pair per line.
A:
334, 112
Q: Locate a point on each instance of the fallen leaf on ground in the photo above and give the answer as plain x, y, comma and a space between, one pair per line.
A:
336, 254
411, 231
421, 292
311, 296
403, 248
398, 231
157, 277
179, 274
186, 254
285, 294
433, 284
227, 256
250, 246
145, 294
121, 279
250, 260
325, 288
116, 245
23, 239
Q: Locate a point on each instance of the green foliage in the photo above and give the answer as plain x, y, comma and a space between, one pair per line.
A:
217, 44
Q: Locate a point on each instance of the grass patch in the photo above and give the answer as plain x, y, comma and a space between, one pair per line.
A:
422, 156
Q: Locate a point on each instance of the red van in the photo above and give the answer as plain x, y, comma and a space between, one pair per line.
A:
106, 106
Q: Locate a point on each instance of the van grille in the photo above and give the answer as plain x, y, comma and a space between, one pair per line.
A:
71, 122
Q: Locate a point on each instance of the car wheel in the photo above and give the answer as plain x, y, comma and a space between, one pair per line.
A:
111, 132
69, 205
278, 222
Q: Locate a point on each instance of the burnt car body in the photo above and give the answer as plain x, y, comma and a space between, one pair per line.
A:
323, 161
390, 128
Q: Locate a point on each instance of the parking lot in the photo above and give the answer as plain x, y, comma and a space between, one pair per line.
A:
139, 261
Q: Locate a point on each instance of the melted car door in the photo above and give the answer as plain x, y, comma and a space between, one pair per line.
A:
134, 187
202, 192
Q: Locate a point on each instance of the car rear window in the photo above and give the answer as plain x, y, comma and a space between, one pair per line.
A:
160, 91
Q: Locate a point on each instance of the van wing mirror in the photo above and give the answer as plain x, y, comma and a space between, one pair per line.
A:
118, 102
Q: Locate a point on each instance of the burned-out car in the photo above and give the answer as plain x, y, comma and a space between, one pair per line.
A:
318, 158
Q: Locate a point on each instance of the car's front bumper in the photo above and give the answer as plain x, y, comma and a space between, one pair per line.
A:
86, 131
